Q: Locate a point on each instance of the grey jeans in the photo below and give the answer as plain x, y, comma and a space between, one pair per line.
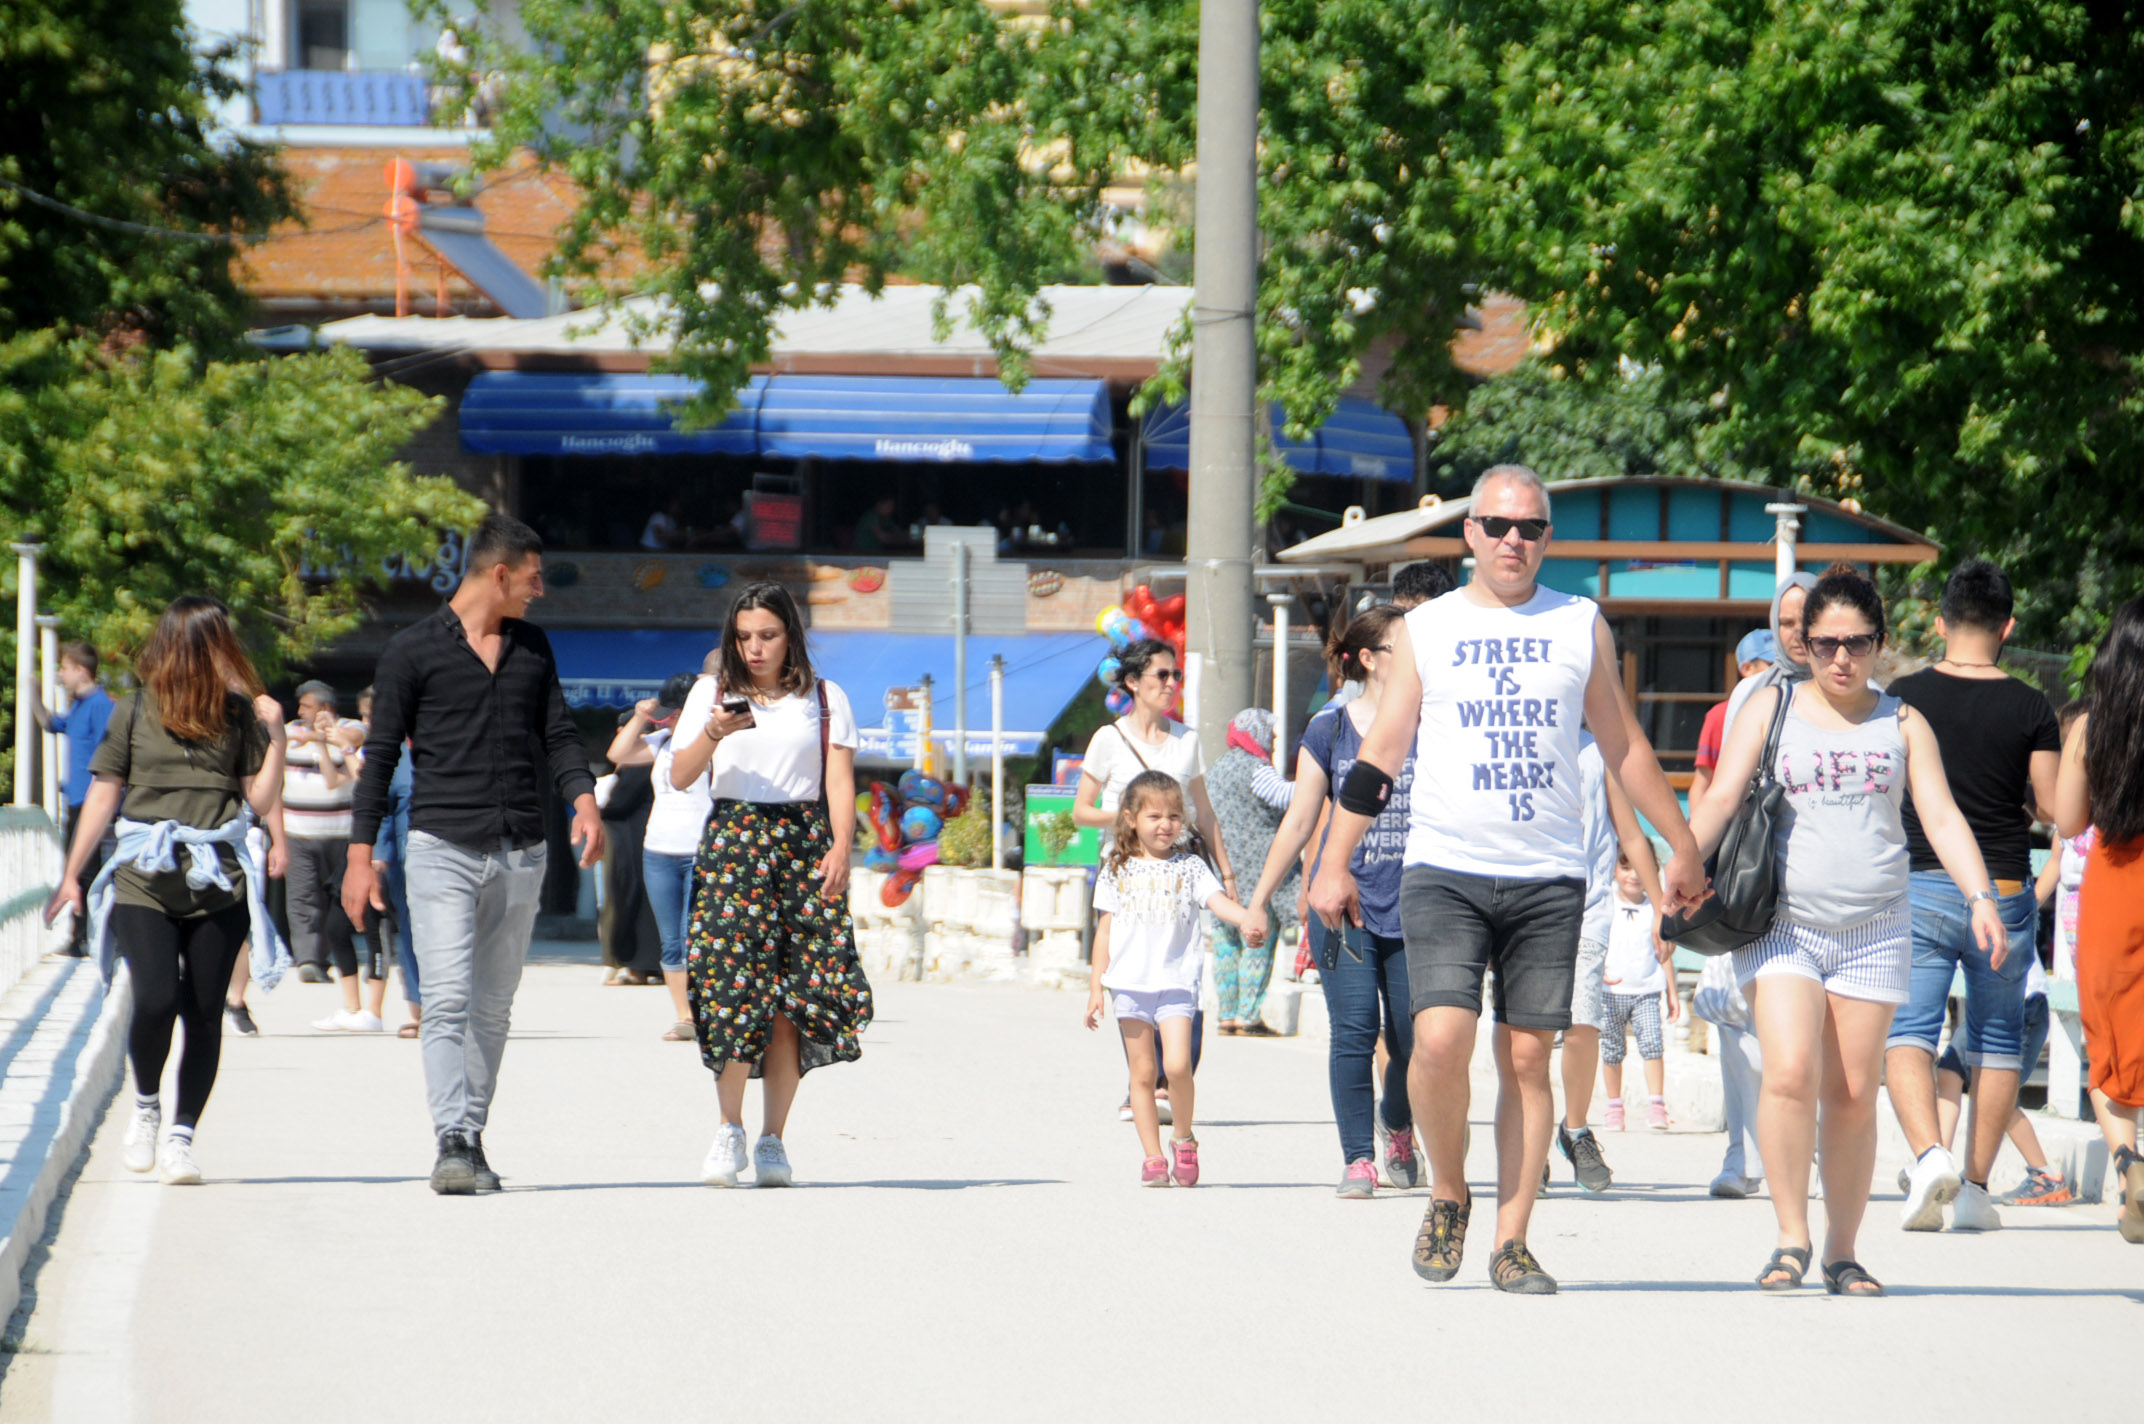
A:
470, 915
1741, 1079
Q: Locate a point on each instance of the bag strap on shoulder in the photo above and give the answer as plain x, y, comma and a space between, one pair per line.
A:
825, 733
1133, 747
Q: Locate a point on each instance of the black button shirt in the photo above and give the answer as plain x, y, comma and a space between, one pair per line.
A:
477, 738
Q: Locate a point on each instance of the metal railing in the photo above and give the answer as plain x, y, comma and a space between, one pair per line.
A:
30, 865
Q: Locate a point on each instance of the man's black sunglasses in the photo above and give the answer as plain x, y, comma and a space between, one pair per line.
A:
1496, 527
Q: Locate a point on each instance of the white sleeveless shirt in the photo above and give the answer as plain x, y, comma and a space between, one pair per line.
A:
1496, 788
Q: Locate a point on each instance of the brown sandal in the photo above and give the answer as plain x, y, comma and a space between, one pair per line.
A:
680, 1032
407, 1031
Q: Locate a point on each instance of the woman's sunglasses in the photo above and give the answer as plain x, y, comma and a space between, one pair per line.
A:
1858, 646
1496, 527
1169, 674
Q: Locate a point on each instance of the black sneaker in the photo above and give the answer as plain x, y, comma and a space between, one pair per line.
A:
238, 1019
1513, 1269
1583, 1151
1442, 1239
486, 1179
310, 973
454, 1174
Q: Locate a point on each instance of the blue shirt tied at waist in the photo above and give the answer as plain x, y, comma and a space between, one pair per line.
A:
154, 848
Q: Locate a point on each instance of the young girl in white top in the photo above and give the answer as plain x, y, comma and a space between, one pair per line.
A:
1633, 985
1146, 953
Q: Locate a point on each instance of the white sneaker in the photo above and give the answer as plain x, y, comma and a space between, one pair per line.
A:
364, 1021
725, 1160
141, 1139
341, 1021
1974, 1210
770, 1164
175, 1164
1930, 1184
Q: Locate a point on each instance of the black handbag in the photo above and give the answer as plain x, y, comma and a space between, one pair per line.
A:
1743, 871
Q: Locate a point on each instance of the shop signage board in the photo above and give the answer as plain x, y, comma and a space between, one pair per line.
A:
1052, 801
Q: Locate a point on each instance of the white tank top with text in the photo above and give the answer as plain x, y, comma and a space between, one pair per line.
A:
1496, 784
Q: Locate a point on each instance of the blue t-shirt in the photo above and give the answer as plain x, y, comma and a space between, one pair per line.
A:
83, 726
1333, 743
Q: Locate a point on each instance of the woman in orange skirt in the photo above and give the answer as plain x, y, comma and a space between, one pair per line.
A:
2102, 784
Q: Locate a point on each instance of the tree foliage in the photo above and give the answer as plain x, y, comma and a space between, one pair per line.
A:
107, 109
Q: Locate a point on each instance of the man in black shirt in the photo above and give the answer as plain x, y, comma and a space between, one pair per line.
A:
475, 691
2000, 750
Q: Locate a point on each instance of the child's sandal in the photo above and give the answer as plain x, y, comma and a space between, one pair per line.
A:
1790, 1260
1848, 1278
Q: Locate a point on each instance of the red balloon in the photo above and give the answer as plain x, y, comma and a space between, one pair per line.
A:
1141, 604
1171, 610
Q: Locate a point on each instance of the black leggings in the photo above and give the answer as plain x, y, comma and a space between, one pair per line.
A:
180, 970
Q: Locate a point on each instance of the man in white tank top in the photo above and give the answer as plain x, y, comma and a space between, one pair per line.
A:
1491, 687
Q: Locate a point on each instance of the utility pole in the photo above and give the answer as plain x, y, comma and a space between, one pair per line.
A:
1224, 369
25, 670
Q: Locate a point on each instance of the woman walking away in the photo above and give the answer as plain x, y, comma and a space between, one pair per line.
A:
1362, 969
182, 760
2101, 785
673, 832
1823, 982
1146, 954
1249, 795
770, 964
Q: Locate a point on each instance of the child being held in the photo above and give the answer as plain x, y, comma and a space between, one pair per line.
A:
1635, 982
1147, 954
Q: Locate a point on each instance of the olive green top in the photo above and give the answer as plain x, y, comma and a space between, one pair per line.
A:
199, 784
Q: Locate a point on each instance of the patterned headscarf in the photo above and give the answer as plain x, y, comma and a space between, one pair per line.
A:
1251, 730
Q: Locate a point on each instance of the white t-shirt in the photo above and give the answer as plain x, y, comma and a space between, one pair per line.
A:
1111, 760
1496, 789
1153, 908
777, 758
678, 817
1602, 843
1631, 967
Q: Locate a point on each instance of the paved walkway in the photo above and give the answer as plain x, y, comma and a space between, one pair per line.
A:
969, 1245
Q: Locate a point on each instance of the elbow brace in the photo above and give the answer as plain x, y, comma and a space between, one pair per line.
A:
1364, 790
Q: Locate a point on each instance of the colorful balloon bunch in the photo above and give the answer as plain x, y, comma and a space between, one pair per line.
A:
905, 820
1140, 616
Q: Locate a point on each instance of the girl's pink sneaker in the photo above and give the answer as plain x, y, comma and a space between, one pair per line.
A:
1656, 1114
1186, 1152
1155, 1173
1613, 1115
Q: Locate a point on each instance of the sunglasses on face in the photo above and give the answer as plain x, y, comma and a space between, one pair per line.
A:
1170, 675
1858, 646
1496, 527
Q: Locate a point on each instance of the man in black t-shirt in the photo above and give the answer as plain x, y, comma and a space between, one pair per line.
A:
2000, 748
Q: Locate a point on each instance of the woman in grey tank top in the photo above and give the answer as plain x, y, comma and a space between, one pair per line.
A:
1836, 960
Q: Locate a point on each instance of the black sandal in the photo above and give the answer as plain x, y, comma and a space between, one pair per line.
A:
1793, 1259
1848, 1278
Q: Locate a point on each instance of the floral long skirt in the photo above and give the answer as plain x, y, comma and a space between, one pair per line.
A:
762, 941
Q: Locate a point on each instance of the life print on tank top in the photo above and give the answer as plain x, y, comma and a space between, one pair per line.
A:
1838, 776
1510, 761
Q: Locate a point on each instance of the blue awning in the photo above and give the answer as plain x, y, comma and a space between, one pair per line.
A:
597, 413
953, 420
1360, 441
1043, 673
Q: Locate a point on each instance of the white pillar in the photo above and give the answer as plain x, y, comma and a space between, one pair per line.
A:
55, 747
960, 661
25, 669
1280, 602
1788, 526
997, 761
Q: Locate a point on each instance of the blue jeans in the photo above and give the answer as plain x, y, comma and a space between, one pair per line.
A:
668, 879
1994, 998
396, 882
1365, 982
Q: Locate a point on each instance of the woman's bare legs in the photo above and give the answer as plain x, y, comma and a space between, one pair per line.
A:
680, 1006
780, 1072
1854, 1034
1787, 1012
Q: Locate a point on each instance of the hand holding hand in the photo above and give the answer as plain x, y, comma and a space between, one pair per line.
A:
1254, 926
1684, 882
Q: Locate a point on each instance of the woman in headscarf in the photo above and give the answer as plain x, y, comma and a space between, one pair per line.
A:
1249, 795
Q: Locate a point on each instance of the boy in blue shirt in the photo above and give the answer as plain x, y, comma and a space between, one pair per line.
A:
82, 724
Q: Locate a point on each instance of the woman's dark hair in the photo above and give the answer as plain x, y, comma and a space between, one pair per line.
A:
796, 662
2071, 710
1842, 583
1124, 845
193, 666
1365, 631
1133, 662
2114, 739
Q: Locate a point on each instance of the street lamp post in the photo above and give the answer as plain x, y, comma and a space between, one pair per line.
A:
55, 697
25, 668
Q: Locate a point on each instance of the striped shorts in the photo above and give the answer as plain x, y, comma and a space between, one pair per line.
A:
1873, 960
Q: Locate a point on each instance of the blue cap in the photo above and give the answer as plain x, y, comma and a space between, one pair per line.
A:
1757, 647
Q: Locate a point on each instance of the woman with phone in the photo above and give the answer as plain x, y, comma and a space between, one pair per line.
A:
771, 970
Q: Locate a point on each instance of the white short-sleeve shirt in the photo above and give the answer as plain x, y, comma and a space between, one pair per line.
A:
678, 817
1153, 908
777, 758
1112, 761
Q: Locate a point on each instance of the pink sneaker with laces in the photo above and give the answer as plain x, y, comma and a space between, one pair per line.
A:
1155, 1173
1359, 1182
1403, 1168
1656, 1115
1186, 1152
1612, 1115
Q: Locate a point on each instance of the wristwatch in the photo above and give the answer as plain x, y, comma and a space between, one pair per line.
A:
1976, 897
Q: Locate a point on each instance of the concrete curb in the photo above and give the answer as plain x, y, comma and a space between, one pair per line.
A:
85, 1037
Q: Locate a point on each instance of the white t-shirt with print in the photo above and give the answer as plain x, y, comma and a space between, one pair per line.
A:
1153, 908
1632, 967
678, 817
776, 759
1111, 760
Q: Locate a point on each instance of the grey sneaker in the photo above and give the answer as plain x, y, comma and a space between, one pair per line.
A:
770, 1164
725, 1159
1359, 1182
1583, 1151
1403, 1164
238, 1020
